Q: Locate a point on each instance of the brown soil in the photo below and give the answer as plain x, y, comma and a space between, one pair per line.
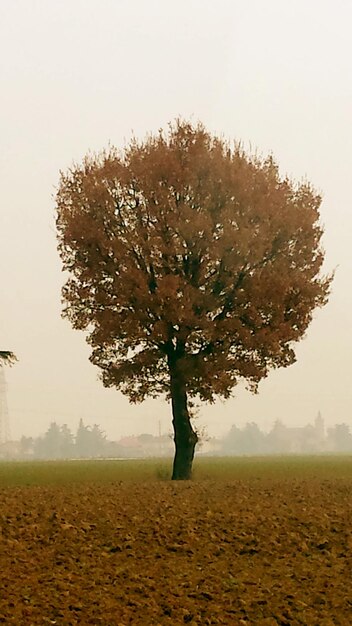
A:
256, 552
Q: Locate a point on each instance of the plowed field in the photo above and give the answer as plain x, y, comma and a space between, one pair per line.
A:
256, 551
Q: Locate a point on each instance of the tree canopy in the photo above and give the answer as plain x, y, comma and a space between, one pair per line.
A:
7, 357
192, 264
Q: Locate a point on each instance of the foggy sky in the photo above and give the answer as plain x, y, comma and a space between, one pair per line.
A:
78, 74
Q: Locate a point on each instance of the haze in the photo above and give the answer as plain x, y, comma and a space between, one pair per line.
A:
78, 75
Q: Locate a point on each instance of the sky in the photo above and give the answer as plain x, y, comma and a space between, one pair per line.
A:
77, 75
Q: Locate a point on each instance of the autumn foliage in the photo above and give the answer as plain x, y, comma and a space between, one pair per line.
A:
7, 357
192, 265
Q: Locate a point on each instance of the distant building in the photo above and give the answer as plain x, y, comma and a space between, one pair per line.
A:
10, 450
146, 445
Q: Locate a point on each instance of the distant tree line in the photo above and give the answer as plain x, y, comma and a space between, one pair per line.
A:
281, 439
60, 443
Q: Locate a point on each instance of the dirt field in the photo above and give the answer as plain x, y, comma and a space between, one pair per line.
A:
255, 551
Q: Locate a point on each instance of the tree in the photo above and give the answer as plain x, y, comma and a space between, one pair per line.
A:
278, 439
232, 441
56, 443
248, 440
252, 439
192, 265
90, 441
83, 440
340, 437
49, 446
98, 440
66, 442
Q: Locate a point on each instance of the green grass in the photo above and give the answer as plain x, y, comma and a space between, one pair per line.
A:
29, 473
26, 473
274, 467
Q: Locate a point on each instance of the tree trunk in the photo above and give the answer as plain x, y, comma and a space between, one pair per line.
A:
185, 437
